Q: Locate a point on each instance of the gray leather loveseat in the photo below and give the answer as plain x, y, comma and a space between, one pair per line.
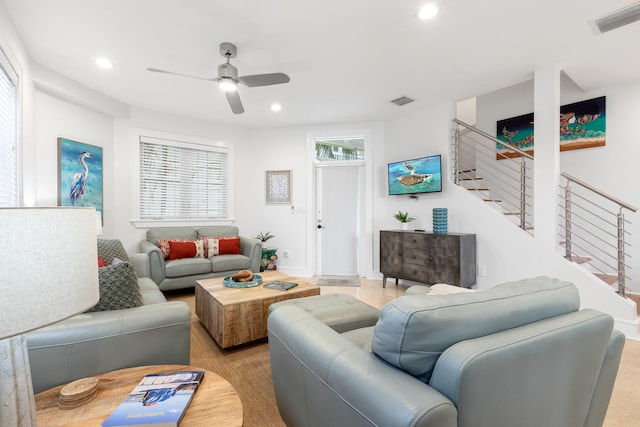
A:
157, 332
183, 273
519, 354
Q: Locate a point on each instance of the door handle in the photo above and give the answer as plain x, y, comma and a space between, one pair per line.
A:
319, 226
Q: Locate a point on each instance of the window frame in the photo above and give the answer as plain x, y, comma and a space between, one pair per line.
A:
180, 141
10, 66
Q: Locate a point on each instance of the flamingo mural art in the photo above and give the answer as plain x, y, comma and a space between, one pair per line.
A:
79, 174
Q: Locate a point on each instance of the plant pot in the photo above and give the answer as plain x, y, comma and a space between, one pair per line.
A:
404, 226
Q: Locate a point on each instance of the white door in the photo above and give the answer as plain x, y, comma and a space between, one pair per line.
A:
338, 195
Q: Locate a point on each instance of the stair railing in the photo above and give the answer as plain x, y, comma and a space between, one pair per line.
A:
592, 230
505, 179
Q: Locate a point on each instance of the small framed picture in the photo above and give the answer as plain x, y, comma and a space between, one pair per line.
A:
278, 186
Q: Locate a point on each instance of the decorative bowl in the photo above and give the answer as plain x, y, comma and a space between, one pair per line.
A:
230, 283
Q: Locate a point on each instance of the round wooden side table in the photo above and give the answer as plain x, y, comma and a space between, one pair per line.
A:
215, 403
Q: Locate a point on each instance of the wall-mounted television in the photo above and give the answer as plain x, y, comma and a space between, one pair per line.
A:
415, 176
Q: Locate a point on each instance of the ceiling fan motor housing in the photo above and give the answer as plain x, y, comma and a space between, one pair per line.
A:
227, 71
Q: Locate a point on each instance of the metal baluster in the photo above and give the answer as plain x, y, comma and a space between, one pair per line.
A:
621, 255
523, 194
567, 221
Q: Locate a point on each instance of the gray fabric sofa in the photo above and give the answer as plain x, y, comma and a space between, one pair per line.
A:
158, 332
183, 273
519, 354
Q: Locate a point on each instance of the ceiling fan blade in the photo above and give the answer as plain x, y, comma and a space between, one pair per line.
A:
234, 102
264, 79
156, 70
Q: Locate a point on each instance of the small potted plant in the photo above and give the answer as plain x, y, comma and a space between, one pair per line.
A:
263, 237
404, 219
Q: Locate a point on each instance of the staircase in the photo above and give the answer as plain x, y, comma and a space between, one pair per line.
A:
591, 223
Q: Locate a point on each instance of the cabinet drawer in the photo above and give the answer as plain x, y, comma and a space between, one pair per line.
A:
415, 241
415, 272
415, 256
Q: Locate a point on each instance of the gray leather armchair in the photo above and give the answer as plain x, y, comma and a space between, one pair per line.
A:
520, 354
158, 332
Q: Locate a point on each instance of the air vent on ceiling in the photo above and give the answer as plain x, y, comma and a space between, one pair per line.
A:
402, 100
617, 19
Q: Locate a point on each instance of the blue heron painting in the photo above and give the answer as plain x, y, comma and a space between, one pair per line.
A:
80, 174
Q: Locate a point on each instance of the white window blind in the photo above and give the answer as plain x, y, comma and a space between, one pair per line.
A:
179, 180
8, 134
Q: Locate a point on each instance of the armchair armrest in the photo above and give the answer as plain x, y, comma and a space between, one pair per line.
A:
156, 261
251, 248
92, 343
318, 374
140, 264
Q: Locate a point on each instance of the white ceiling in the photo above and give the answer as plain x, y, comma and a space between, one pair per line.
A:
346, 58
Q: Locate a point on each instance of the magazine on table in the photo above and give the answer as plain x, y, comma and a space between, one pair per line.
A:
157, 400
280, 285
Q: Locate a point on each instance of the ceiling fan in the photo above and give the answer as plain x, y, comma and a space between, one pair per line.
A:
228, 78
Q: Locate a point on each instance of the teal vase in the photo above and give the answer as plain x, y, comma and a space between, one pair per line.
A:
440, 220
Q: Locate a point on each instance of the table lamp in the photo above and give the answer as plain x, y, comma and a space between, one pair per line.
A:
48, 272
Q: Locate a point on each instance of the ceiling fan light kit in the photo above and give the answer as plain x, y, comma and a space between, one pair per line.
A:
228, 78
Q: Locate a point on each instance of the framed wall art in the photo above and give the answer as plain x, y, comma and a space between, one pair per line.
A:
79, 174
278, 186
582, 125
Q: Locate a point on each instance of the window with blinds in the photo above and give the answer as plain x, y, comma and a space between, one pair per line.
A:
8, 134
179, 180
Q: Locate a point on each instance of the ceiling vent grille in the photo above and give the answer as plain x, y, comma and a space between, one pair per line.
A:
620, 18
403, 100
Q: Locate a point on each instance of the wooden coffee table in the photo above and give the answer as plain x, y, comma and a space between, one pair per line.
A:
215, 402
236, 316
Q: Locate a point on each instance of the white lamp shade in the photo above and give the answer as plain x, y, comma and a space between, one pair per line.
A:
48, 266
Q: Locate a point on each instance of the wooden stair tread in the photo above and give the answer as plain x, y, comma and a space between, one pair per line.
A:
492, 200
474, 178
609, 279
466, 171
581, 260
478, 189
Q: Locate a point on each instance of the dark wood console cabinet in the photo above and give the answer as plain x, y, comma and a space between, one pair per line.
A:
428, 258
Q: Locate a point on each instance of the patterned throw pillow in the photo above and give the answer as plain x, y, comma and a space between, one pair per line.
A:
109, 249
118, 288
221, 245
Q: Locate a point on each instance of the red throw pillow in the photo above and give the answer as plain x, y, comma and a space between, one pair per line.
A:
228, 245
182, 249
101, 262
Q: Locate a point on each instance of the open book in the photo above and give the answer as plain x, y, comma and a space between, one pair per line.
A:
158, 400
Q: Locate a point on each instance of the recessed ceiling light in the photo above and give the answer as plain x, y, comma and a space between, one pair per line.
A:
104, 63
428, 11
276, 107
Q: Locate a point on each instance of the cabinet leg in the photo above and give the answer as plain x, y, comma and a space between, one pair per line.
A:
384, 281
396, 281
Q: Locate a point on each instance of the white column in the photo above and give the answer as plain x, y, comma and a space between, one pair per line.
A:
547, 153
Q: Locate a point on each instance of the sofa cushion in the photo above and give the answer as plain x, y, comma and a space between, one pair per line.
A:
229, 263
414, 330
150, 292
109, 249
118, 288
187, 267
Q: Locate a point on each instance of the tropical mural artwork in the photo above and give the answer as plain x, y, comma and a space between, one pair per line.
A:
582, 125
79, 174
